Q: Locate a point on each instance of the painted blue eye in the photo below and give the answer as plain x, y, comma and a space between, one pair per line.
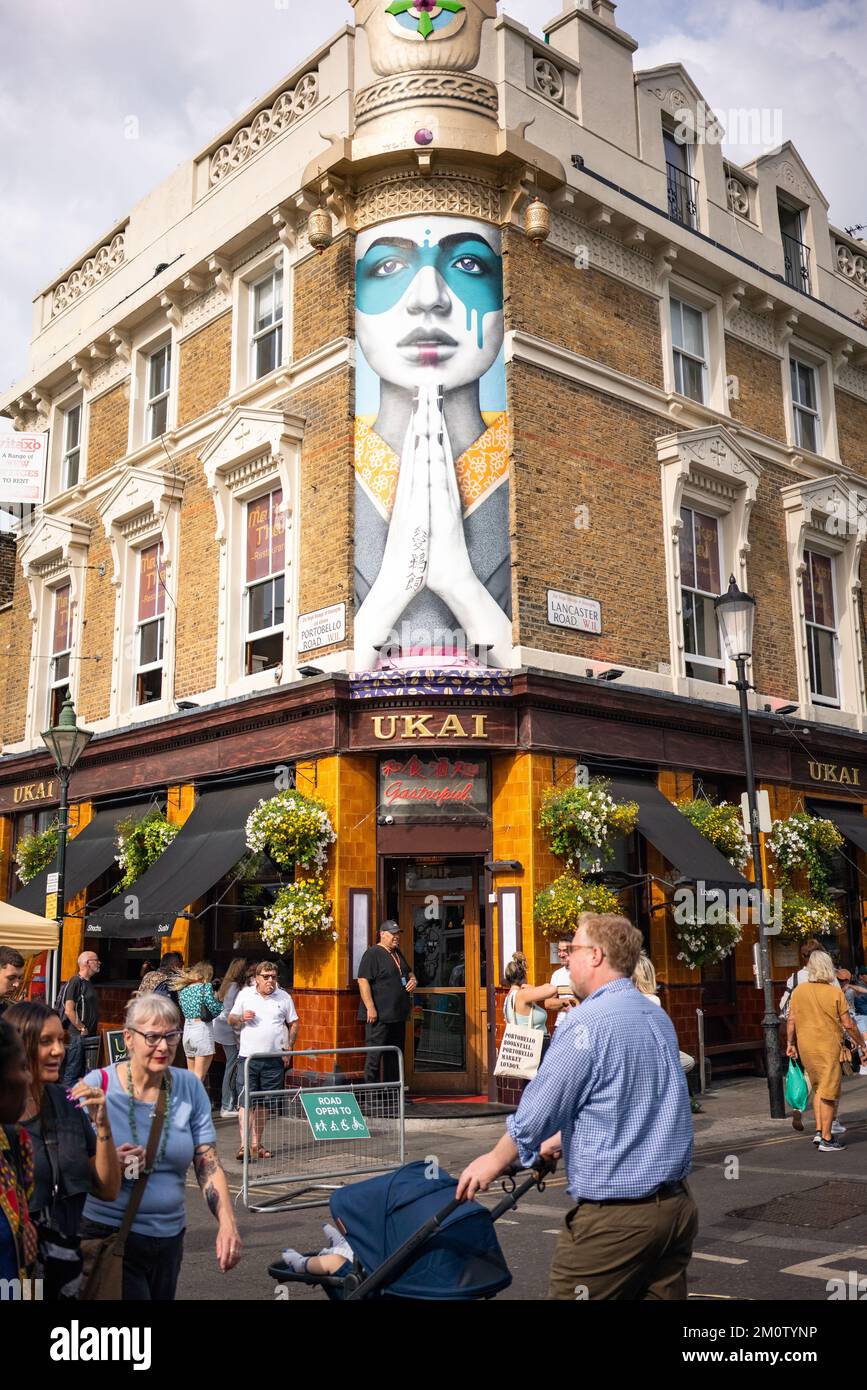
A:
391, 266
470, 265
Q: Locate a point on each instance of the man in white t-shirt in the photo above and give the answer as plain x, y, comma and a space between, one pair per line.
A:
263, 1013
564, 1001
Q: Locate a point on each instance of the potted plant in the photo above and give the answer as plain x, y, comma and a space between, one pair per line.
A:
33, 853
804, 916
300, 912
558, 907
805, 842
582, 823
292, 829
140, 844
706, 940
721, 824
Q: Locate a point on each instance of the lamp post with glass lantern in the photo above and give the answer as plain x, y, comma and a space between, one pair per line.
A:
736, 613
65, 742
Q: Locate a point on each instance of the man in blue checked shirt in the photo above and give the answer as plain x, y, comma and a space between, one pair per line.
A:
611, 1098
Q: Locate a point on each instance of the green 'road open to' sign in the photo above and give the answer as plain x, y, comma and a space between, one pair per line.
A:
334, 1115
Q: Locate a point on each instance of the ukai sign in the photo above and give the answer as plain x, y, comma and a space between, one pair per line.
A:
461, 727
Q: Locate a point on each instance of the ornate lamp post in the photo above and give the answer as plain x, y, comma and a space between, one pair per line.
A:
736, 613
65, 742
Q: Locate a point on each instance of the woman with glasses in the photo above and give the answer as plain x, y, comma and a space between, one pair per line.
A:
136, 1090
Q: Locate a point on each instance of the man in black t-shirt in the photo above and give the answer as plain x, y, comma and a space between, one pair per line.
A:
386, 984
81, 1015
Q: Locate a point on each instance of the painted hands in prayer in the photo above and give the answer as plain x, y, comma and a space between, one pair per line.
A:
426, 546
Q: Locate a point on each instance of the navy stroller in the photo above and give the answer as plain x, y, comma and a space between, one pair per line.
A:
413, 1240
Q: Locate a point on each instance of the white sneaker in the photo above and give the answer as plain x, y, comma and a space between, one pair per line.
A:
228, 1114
837, 1128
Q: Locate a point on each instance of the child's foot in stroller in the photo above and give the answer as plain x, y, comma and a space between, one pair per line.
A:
294, 1260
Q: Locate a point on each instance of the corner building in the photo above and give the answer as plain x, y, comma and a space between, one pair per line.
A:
446, 384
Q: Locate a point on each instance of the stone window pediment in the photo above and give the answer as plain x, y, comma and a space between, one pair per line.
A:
138, 506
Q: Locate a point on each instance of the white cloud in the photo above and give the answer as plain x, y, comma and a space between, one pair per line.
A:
72, 75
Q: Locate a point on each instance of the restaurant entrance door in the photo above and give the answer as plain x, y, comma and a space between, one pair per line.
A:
443, 938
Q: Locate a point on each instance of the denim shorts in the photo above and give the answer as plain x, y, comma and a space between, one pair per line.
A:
198, 1038
266, 1074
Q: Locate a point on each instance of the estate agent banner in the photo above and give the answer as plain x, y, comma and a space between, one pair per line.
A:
22, 467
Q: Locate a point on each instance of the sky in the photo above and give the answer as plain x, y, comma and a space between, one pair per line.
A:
77, 80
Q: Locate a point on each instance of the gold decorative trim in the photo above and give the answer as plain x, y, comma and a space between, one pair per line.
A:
444, 191
448, 87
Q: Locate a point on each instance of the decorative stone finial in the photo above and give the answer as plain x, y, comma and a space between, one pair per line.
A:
423, 35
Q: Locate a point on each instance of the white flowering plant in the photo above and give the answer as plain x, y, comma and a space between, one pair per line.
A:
805, 842
292, 829
300, 912
804, 917
140, 844
582, 822
721, 824
706, 940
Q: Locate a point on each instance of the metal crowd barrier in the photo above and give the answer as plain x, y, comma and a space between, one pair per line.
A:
312, 1156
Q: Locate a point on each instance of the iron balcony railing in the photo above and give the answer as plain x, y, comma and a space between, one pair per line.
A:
797, 260
682, 196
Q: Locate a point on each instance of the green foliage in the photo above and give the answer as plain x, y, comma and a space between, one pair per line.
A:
292, 829
559, 906
301, 911
805, 842
582, 822
722, 826
140, 843
804, 916
35, 852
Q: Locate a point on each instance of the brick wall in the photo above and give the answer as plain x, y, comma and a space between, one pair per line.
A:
97, 631
759, 403
204, 369
768, 579
197, 611
7, 568
16, 634
852, 431
324, 290
107, 430
573, 446
585, 311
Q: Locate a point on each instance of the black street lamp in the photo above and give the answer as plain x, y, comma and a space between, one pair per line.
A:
736, 614
65, 742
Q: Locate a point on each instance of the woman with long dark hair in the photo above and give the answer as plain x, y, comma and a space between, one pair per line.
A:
72, 1156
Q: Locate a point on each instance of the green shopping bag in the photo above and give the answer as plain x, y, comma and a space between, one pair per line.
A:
797, 1089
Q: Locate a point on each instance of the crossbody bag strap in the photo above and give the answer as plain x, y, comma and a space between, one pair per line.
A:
49, 1139
137, 1193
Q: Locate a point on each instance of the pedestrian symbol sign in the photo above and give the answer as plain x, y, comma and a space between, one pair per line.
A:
334, 1115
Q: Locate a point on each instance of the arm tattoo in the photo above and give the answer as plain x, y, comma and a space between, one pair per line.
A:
207, 1165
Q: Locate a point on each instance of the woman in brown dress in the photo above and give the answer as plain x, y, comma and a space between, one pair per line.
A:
818, 1018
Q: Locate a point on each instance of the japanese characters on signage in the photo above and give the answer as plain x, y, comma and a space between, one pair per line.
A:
22, 467
322, 628
410, 788
569, 610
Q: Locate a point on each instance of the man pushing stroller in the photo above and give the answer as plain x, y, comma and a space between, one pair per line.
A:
612, 1099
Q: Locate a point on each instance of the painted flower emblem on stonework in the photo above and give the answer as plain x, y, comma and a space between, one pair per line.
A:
424, 12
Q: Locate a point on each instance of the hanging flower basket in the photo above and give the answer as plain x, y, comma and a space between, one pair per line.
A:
292, 829
804, 916
722, 826
35, 852
559, 906
300, 912
706, 942
805, 842
583, 821
140, 844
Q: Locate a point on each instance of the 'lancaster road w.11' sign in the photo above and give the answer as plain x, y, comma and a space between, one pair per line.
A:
572, 611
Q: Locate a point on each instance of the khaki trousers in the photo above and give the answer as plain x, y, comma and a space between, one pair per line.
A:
625, 1250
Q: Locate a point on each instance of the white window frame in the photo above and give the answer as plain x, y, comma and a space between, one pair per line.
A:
826, 424
255, 452
63, 683
274, 329
824, 515
141, 668
57, 462
709, 471
54, 553
256, 635
694, 502
811, 549
148, 343
142, 509
161, 397
255, 272
679, 352
710, 307
68, 451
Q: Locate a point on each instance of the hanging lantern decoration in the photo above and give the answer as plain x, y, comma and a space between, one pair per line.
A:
320, 231
537, 221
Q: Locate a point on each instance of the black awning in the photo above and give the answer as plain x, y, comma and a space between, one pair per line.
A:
210, 843
676, 838
88, 856
851, 825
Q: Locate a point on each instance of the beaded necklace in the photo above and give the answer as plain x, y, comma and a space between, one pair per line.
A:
164, 1139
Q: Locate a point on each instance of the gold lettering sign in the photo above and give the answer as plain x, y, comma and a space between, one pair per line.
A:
33, 791
834, 772
387, 727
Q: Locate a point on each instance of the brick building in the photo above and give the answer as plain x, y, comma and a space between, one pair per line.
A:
375, 453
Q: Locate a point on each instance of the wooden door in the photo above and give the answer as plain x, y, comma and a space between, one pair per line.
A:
441, 941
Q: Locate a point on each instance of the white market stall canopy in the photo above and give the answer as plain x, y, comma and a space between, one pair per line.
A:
25, 932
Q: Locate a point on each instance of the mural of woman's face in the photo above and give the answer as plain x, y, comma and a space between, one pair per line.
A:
429, 300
